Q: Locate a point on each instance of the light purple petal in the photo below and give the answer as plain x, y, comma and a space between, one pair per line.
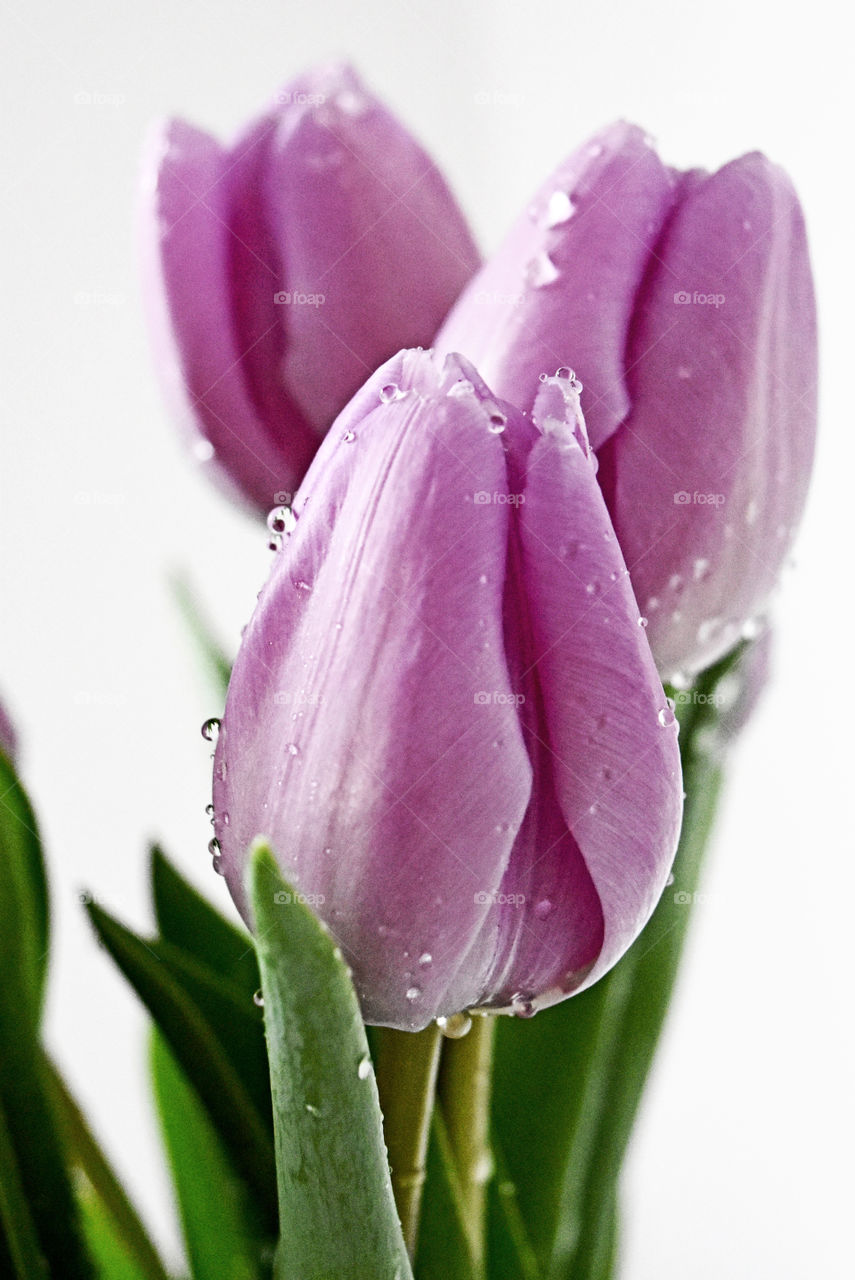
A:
353, 737
560, 290
604, 738
707, 478
371, 249
186, 272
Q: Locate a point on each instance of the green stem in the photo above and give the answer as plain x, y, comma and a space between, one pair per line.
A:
465, 1093
85, 1153
406, 1080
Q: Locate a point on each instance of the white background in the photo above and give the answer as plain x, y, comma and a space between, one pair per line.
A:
742, 1159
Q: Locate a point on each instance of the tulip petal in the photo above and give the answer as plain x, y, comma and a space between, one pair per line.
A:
370, 726
707, 477
372, 245
607, 741
186, 257
560, 290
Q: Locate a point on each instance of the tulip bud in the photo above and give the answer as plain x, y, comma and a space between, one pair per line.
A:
283, 270
685, 304
444, 715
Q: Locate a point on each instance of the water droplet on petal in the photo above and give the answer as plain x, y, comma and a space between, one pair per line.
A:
425, 959
258, 999
543, 909
363, 1071
211, 729
669, 881
642, 622
560, 209
274, 542
700, 569
390, 392
413, 993
523, 1004
541, 271
497, 423
203, 450
349, 437
456, 1026
293, 749
666, 714
209, 810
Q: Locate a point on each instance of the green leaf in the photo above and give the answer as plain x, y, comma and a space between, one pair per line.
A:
443, 1249
24, 910
20, 1251
222, 1233
206, 1028
509, 1250
111, 1224
215, 657
33, 1168
187, 920
337, 1211
567, 1085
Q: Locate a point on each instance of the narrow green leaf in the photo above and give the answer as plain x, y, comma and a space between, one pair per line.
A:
111, 1223
36, 1170
193, 1016
337, 1211
509, 1250
18, 1239
222, 1233
215, 657
24, 909
443, 1249
112, 1260
187, 920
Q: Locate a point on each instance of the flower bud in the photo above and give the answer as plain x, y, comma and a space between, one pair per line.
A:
285, 268
685, 305
444, 715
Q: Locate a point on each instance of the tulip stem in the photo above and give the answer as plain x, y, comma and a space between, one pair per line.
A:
406, 1079
465, 1094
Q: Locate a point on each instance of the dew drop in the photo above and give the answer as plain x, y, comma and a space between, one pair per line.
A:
543, 909
349, 437
425, 959
293, 749
569, 375
302, 585
390, 392
666, 714
203, 450
209, 811
684, 372
560, 209
541, 271
456, 1026
211, 729
413, 993
222, 770
642, 622
700, 569
669, 881
523, 1005
483, 579
258, 999
497, 423
363, 1071
214, 847
313, 1110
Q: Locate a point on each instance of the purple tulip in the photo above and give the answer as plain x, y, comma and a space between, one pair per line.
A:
685, 304
444, 715
284, 269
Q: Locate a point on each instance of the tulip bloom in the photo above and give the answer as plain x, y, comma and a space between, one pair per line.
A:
685, 304
444, 715
284, 269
